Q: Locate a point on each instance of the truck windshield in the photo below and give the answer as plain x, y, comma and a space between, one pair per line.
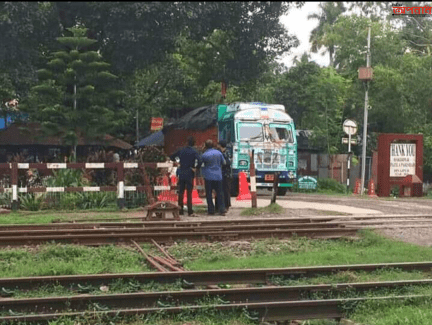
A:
281, 132
250, 131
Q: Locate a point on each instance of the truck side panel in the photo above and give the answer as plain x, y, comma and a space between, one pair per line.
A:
175, 139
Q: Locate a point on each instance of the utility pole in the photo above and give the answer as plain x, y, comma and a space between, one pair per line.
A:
365, 122
137, 127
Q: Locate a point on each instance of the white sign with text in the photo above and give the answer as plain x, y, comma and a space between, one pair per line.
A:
402, 159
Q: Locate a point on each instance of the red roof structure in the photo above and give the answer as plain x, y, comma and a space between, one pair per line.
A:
29, 134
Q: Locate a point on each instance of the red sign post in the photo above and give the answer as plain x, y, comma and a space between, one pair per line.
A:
156, 123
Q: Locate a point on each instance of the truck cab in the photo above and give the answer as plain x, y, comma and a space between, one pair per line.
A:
270, 132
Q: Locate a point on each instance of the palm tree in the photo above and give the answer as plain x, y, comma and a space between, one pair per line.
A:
304, 58
319, 37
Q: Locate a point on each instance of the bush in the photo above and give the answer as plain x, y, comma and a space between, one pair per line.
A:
31, 202
330, 184
67, 178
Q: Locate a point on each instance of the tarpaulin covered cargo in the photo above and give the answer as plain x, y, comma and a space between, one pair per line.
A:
199, 119
201, 123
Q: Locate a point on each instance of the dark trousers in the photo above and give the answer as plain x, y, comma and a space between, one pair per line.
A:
188, 184
226, 189
209, 187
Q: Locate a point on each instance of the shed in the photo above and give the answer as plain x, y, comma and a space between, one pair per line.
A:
28, 138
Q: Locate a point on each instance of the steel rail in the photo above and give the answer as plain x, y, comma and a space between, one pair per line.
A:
301, 219
168, 237
198, 278
104, 230
267, 311
155, 224
175, 298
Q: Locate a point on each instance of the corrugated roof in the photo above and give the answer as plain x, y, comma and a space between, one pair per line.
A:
27, 134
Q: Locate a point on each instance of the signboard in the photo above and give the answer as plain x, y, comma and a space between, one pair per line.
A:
350, 127
345, 141
402, 159
307, 183
156, 123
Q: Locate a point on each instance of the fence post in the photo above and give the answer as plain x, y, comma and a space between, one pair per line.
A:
253, 180
275, 188
120, 185
14, 183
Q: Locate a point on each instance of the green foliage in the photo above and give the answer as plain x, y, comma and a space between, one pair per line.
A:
80, 97
68, 260
325, 116
371, 248
67, 178
31, 202
330, 184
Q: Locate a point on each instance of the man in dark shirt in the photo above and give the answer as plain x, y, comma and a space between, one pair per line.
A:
226, 176
189, 160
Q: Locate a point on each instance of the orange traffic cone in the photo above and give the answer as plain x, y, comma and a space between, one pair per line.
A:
244, 193
166, 195
195, 197
371, 188
357, 186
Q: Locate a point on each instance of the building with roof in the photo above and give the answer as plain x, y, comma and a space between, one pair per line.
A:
28, 139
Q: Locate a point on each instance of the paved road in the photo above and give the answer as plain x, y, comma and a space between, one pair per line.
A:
291, 204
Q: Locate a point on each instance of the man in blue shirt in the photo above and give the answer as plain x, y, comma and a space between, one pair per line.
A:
226, 176
189, 161
212, 171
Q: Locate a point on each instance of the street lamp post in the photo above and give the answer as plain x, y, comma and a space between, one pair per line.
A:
366, 76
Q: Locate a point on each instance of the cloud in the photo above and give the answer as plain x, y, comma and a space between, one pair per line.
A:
297, 23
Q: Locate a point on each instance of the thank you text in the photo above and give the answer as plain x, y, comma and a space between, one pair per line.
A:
402, 159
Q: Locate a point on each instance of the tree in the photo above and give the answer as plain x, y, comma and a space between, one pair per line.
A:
327, 109
136, 34
293, 87
76, 95
320, 35
25, 29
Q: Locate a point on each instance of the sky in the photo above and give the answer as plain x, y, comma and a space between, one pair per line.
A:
297, 23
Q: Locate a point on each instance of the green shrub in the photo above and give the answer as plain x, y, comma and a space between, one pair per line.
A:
95, 200
31, 202
395, 191
87, 200
66, 178
330, 184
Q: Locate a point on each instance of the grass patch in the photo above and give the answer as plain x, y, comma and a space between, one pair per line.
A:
415, 311
207, 316
273, 208
70, 259
43, 217
371, 248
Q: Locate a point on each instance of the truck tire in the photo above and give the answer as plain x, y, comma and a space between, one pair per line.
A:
234, 187
281, 191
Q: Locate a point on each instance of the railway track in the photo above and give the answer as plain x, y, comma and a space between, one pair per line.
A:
270, 303
267, 311
103, 233
203, 278
117, 233
175, 298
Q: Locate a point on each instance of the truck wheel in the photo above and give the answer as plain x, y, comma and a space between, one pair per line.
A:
281, 191
234, 187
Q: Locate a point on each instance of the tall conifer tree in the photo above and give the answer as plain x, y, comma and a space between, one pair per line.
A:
76, 94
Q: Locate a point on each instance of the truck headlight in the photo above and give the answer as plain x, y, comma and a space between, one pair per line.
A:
291, 174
